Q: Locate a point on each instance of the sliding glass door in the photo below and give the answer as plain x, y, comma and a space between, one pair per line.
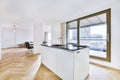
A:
94, 31
95, 36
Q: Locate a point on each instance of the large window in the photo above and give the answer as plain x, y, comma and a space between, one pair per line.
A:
72, 32
95, 38
94, 31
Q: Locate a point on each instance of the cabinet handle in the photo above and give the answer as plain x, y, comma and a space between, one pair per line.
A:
78, 52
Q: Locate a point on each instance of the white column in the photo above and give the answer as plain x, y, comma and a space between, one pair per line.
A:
38, 37
63, 32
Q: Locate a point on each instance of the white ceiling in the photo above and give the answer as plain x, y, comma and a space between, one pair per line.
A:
24, 12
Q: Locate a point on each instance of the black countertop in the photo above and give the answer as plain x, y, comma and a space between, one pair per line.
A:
70, 47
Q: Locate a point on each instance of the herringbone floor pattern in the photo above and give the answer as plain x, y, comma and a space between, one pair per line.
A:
21, 64
18, 64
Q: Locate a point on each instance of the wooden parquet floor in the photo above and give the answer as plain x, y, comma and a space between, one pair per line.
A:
45, 74
20, 64
99, 72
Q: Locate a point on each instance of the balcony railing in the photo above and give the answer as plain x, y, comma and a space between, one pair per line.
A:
97, 44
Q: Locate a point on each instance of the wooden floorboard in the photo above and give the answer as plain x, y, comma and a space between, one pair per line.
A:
45, 74
20, 64
103, 73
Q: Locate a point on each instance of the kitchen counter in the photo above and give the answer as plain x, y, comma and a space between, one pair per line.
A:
70, 62
69, 47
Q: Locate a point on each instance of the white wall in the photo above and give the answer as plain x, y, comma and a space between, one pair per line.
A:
23, 35
7, 38
0, 44
11, 39
38, 37
115, 32
115, 38
40, 28
56, 33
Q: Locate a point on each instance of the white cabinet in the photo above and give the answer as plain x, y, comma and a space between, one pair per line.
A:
49, 58
69, 65
81, 64
64, 65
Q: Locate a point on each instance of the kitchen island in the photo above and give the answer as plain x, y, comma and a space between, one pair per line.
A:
70, 62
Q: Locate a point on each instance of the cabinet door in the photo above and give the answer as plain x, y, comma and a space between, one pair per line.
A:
81, 64
43, 53
51, 61
49, 58
65, 64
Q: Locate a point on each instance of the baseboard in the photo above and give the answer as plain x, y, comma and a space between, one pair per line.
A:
97, 64
86, 77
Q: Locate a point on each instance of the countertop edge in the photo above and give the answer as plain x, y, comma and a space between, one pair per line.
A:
58, 47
